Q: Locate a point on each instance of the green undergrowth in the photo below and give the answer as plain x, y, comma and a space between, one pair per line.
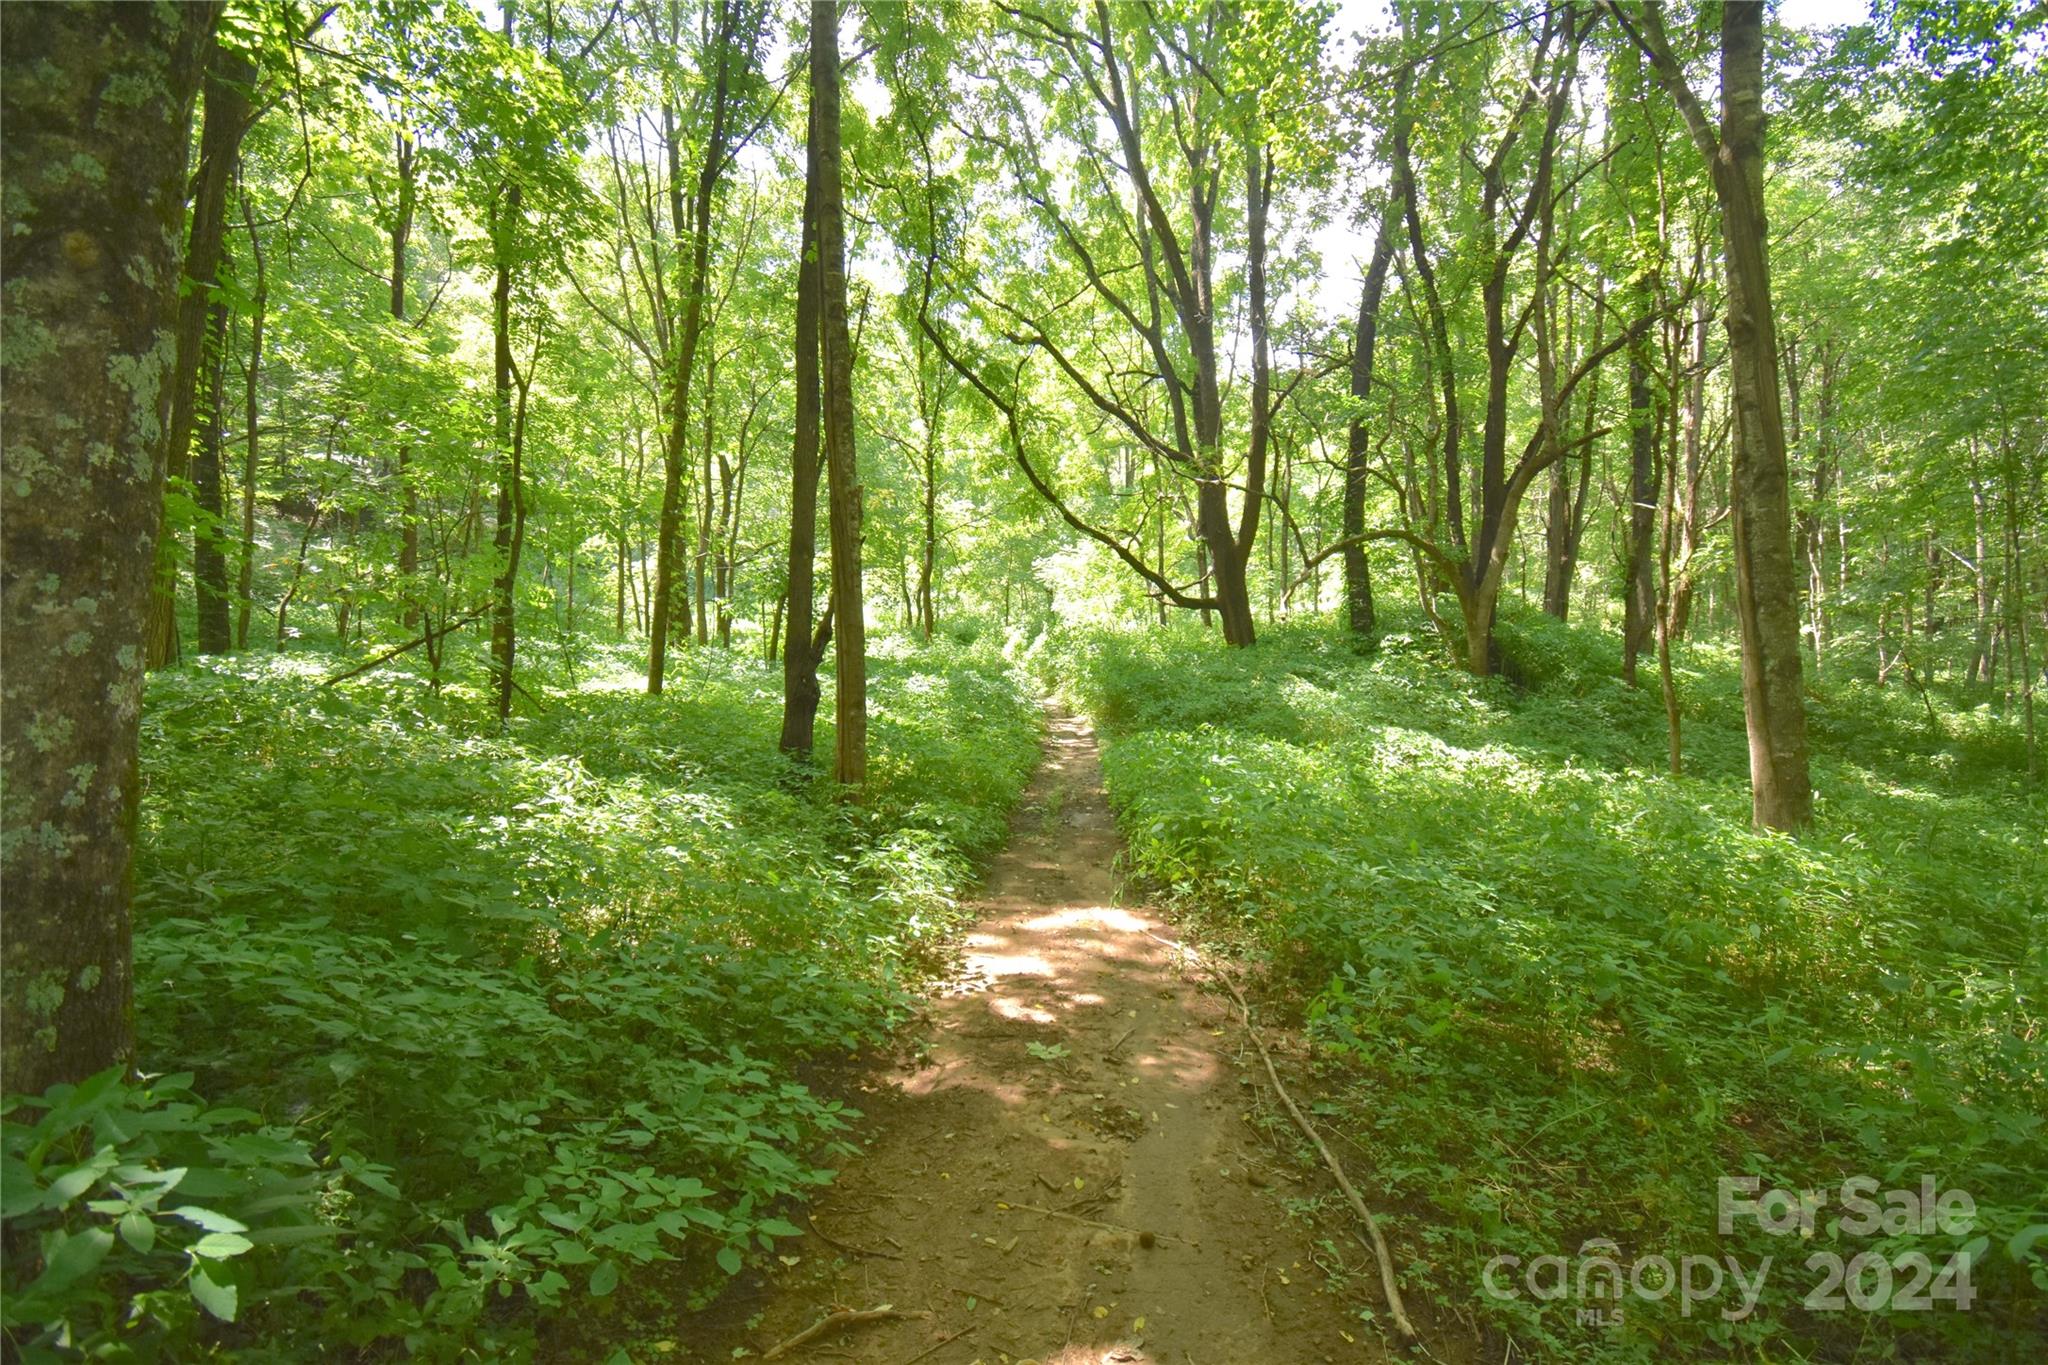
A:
1554, 994
490, 1024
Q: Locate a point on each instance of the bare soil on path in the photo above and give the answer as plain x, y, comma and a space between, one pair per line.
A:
1064, 1172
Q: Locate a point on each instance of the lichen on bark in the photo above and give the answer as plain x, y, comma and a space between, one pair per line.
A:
97, 102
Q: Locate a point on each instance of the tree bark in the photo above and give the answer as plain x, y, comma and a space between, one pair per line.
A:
1565, 529
1358, 604
1980, 660
842, 474
1504, 227
509, 522
1639, 592
1688, 505
1766, 586
800, 659
209, 555
928, 552
409, 505
668, 549
89, 272
252, 408
229, 77
702, 562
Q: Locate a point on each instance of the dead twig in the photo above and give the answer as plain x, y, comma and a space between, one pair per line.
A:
1094, 1222
829, 1240
844, 1317
937, 1344
977, 1297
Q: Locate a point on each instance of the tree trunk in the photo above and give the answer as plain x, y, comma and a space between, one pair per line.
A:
1233, 552
800, 658
928, 557
409, 501
1667, 510
252, 408
1688, 501
89, 274
1766, 590
703, 556
209, 554
668, 548
1557, 531
1980, 662
1766, 586
2018, 593
842, 475
508, 524
1358, 604
1639, 592
228, 79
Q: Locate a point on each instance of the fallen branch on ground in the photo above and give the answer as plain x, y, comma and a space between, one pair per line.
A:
1388, 1284
390, 654
844, 1317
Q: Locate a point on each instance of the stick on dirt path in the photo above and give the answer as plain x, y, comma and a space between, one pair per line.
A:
1069, 1066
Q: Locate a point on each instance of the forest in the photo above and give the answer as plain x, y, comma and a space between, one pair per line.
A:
1024, 681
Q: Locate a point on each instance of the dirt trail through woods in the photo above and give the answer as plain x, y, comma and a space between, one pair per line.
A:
1070, 1067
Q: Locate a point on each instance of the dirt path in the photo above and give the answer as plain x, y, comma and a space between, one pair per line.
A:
1071, 1067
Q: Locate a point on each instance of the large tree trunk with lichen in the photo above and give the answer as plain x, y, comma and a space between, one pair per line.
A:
89, 262
229, 77
842, 475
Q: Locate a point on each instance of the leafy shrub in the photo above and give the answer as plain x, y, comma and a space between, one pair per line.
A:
1556, 993
129, 1208
526, 1008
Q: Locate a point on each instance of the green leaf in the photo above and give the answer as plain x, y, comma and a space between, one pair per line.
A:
75, 1182
138, 1231
370, 1180
729, 1260
779, 1227
207, 1218
604, 1279
219, 1246
71, 1257
217, 1299
18, 1192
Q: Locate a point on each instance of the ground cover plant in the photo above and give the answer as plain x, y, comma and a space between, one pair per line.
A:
486, 1025
1554, 995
